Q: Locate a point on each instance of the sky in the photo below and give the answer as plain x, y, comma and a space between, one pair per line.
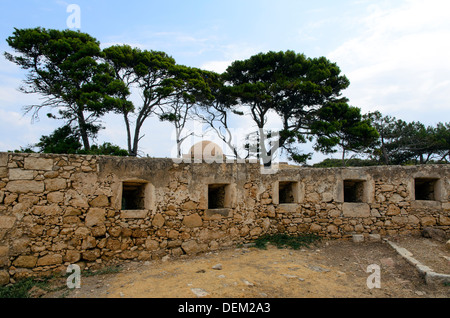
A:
395, 53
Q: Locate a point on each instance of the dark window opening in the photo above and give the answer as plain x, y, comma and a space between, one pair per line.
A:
133, 196
424, 189
216, 196
286, 192
353, 191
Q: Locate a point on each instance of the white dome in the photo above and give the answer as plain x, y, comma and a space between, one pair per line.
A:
205, 149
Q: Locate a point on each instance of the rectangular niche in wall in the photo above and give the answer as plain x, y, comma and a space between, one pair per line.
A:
134, 195
218, 196
425, 189
287, 192
354, 191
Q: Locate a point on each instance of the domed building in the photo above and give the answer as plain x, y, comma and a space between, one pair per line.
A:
205, 150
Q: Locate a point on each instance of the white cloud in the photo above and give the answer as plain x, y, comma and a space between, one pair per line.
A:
216, 66
399, 60
231, 52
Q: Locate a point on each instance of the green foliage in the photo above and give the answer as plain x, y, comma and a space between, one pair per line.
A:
354, 162
401, 142
21, 288
102, 271
284, 241
66, 140
342, 125
62, 141
105, 149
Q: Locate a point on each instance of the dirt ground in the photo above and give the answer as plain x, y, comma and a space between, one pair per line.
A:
329, 269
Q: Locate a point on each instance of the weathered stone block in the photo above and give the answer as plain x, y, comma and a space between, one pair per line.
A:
444, 220
3, 172
47, 210
23, 186
396, 198
428, 221
133, 214
20, 246
393, 210
25, 261
386, 187
19, 174
89, 243
55, 184
50, 259
193, 220
433, 233
158, 221
190, 205
91, 255
98, 230
72, 256
333, 229
4, 278
287, 207
139, 233
38, 164
55, 197
400, 220
425, 204
7, 222
113, 244
71, 219
3, 159
100, 201
356, 210
374, 237
151, 245
129, 254
4, 251
115, 231
95, 216
327, 197
315, 228
191, 247
255, 232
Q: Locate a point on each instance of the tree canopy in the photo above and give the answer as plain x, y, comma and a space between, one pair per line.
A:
291, 85
80, 83
342, 125
65, 68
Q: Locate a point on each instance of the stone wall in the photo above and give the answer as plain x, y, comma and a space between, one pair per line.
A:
57, 210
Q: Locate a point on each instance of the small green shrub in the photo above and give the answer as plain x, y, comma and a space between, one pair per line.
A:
284, 241
103, 271
21, 288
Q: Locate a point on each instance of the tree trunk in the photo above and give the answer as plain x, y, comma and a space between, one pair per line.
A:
385, 156
83, 130
343, 156
136, 138
127, 124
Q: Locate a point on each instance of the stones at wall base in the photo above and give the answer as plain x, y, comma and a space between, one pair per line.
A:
192, 247
4, 278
